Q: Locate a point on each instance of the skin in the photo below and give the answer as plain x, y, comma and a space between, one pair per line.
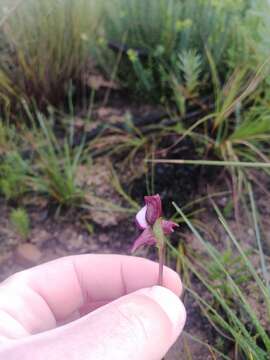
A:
102, 307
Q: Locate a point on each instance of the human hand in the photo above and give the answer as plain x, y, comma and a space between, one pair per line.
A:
99, 307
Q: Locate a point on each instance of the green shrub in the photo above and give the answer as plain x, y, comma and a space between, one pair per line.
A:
21, 222
144, 24
231, 283
46, 44
56, 165
167, 29
11, 138
13, 176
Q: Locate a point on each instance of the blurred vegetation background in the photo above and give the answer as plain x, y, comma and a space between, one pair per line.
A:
105, 101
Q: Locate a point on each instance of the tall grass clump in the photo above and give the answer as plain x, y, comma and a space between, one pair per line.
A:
56, 164
144, 25
232, 280
14, 171
173, 25
19, 219
45, 44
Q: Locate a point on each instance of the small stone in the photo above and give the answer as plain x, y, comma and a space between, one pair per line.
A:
27, 255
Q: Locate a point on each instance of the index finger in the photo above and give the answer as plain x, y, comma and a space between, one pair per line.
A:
68, 284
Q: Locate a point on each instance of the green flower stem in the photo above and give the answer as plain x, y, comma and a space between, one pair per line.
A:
161, 245
161, 255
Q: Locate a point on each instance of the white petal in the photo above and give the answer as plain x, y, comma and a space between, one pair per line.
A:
140, 218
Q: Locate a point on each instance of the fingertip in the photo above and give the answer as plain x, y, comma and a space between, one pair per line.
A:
141, 273
172, 281
171, 305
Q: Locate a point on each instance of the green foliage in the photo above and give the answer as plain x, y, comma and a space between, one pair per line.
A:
256, 28
144, 73
3, 135
254, 126
46, 44
162, 29
237, 129
190, 66
185, 77
10, 138
231, 263
227, 282
144, 24
21, 222
174, 25
13, 176
57, 164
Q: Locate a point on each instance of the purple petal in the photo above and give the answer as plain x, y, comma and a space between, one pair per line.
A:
154, 208
168, 226
140, 218
146, 238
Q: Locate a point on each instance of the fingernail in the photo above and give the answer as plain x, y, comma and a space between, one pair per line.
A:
171, 305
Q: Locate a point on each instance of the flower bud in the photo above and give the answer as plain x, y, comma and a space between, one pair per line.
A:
154, 208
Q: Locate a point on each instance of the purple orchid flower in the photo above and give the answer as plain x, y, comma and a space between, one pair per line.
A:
146, 219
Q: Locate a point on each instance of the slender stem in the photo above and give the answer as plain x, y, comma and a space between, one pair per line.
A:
161, 254
211, 163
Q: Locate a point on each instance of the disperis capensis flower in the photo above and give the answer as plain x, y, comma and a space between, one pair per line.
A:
147, 217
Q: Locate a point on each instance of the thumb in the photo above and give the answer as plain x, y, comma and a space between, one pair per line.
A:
142, 325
